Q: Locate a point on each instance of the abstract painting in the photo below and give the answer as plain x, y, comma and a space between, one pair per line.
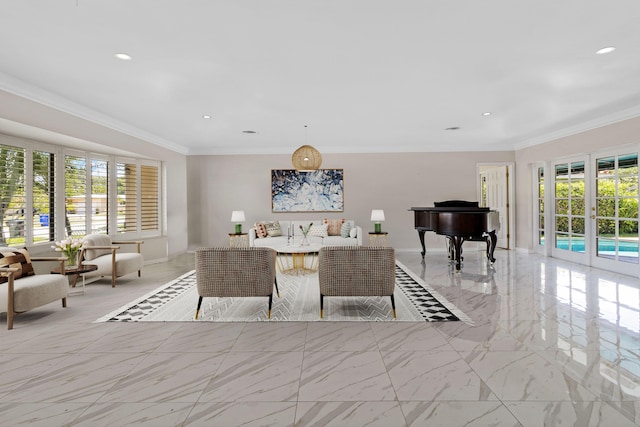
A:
316, 191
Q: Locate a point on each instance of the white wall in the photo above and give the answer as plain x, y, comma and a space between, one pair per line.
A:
393, 182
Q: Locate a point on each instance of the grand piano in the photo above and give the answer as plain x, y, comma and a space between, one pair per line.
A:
459, 221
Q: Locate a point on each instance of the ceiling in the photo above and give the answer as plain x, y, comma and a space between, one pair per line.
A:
342, 75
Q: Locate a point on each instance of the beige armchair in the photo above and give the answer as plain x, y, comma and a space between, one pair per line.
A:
236, 272
26, 290
357, 271
100, 250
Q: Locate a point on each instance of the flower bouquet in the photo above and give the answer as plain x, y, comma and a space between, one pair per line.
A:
305, 231
70, 248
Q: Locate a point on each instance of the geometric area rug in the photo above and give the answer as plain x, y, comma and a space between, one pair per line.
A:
299, 301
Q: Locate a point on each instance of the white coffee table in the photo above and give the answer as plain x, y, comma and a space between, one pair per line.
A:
297, 259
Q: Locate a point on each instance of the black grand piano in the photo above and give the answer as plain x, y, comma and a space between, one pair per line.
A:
459, 221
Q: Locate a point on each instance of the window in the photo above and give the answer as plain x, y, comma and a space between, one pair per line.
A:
540, 191
99, 196
44, 196
149, 188
12, 196
75, 217
127, 197
48, 193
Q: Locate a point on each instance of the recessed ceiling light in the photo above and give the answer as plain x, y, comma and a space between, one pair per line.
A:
206, 116
486, 113
605, 50
453, 128
123, 56
249, 131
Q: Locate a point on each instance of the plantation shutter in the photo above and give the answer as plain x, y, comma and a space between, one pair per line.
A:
149, 186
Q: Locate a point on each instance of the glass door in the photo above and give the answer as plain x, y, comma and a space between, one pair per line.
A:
615, 213
570, 192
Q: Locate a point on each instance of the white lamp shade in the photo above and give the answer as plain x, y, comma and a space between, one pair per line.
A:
237, 216
377, 215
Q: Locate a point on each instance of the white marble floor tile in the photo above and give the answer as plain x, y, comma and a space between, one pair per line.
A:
525, 376
583, 414
133, 338
255, 376
408, 336
341, 414
605, 374
76, 378
166, 377
202, 338
40, 414
246, 414
129, 414
434, 375
457, 413
339, 336
344, 376
17, 369
487, 336
280, 336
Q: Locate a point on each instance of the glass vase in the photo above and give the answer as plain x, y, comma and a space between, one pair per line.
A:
72, 259
305, 241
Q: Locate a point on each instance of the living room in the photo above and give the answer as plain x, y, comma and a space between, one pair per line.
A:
409, 101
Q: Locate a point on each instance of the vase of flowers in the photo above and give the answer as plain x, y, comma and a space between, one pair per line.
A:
70, 248
305, 232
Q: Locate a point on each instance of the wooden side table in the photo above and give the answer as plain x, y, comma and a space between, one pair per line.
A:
80, 270
378, 239
238, 240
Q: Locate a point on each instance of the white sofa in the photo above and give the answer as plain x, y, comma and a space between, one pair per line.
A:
286, 226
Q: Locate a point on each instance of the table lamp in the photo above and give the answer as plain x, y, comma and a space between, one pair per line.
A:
238, 218
377, 216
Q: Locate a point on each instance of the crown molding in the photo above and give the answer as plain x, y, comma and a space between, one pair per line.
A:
48, 99
607, 119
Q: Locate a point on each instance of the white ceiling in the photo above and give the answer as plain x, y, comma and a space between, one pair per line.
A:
363, 75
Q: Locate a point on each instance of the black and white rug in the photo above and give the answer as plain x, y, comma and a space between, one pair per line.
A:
299, 301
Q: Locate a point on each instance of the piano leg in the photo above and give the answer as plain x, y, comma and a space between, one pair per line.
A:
421, 236
492, 240
457, 247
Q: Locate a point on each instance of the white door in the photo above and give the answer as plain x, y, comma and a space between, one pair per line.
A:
614, 212
497, 198
570, 223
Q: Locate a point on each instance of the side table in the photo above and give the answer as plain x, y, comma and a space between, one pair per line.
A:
238, 240
378, 239
80, 270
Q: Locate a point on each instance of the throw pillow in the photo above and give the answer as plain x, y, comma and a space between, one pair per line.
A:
17, 258
353, 233
333, 226
261, 230
345, 229
273, 229
319, 230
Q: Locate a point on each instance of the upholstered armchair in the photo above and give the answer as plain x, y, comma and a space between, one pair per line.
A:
357, 271
236, 272
100, 250
21, 289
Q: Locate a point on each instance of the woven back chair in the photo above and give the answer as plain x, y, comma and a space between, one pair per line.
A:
235, 272
356, 271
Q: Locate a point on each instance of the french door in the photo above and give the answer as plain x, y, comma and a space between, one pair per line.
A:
615, 213
595, 211
570, 193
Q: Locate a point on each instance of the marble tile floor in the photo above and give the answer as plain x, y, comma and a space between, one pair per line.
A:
554, 343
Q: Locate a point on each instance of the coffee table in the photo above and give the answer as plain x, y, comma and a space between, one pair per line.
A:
79, 270
296, 259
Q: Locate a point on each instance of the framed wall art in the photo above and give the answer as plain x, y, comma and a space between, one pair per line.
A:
316, 191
